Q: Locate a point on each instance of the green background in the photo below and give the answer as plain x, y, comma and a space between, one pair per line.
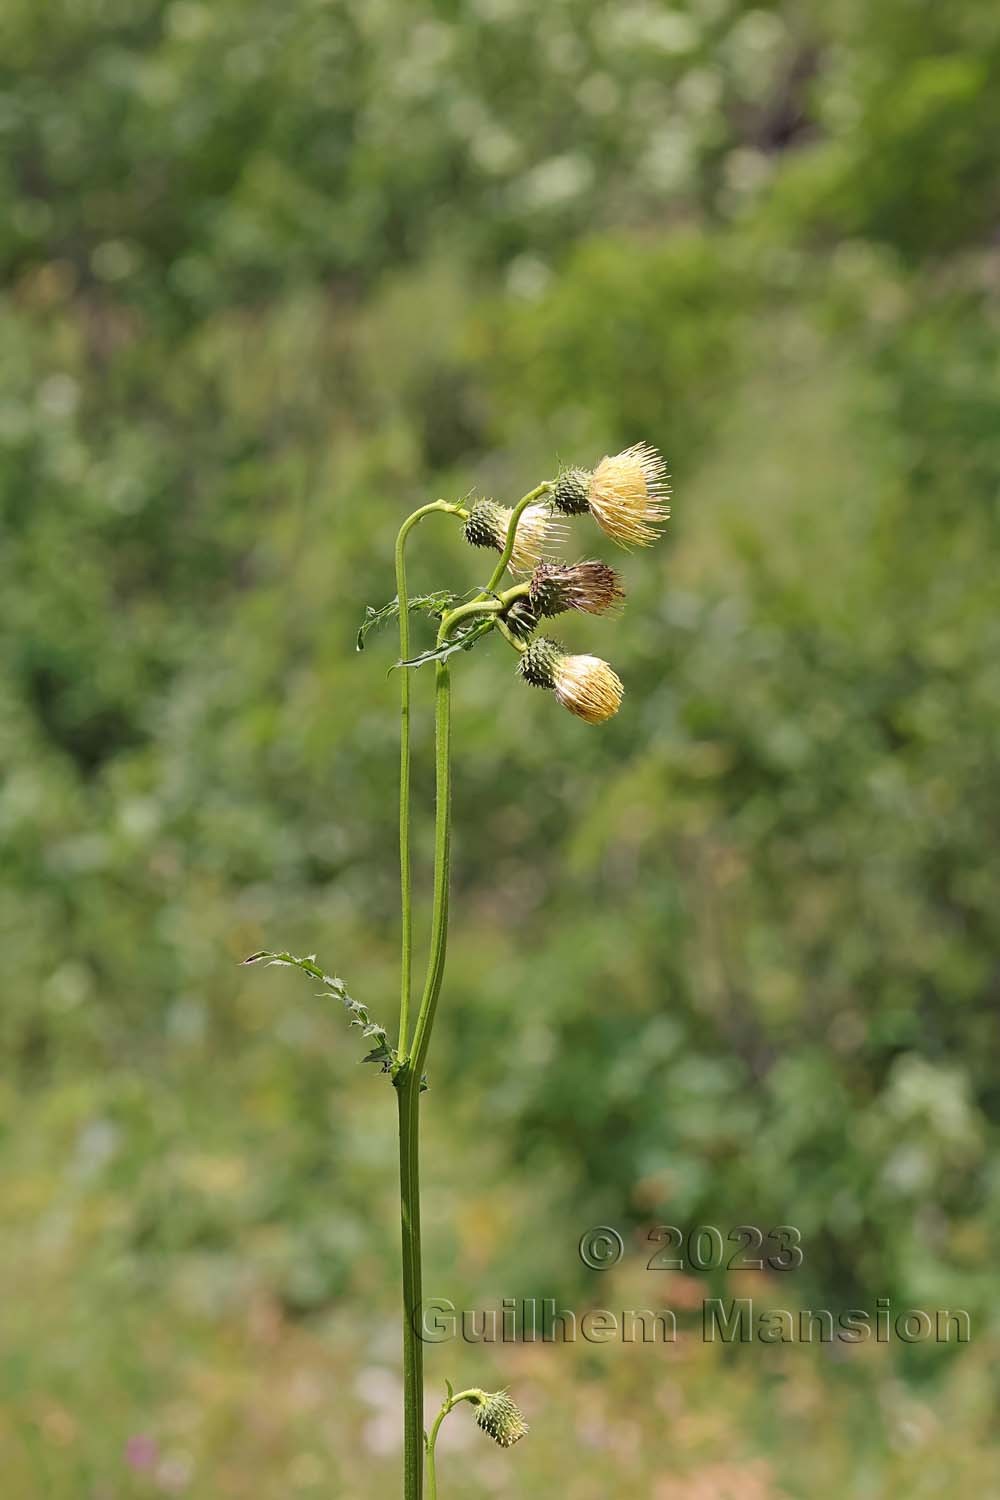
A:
273, 276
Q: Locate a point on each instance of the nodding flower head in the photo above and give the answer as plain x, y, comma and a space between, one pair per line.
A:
585, 685
592, 587
497, 1414
537, 531
627, 495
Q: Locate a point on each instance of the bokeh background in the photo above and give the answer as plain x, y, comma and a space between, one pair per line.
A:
275, 275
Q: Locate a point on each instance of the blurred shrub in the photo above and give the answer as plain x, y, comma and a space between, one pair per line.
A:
273, 277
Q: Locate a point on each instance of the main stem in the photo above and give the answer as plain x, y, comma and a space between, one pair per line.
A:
408, 1093
405, 885
408, 1085
413, 1055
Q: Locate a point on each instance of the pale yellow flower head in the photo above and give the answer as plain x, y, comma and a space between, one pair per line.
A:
585, 685
588, 687
626, 494
538, 531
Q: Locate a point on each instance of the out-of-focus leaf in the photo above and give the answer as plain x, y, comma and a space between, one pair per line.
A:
426, 604
383, 1052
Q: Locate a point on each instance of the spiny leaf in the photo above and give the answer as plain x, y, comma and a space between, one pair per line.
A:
383, 1052
427, 604
335, 989
463, 642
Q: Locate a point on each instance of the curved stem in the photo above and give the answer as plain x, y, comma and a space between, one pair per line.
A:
462, 611
482, 606
405, 887
447, 1406
432, 1487
519, 646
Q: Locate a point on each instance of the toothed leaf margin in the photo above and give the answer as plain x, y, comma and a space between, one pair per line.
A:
334, 988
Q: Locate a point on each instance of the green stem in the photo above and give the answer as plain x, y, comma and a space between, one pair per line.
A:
405, 885
442, 864
409, 1099
483, 606
462, 612
448, 1405
408, 1080
408, 1094
442, 830
408, 1083
519, 646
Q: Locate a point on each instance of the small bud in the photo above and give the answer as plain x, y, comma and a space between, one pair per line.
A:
538, 530
521, 618
497, 1414
627, 495
592, 587
585, 685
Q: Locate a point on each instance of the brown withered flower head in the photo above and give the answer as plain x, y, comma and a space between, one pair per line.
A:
592, 587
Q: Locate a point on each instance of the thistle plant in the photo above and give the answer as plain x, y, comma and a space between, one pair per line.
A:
627, 496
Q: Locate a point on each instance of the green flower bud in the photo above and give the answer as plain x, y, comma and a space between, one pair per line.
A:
497, 1415
571, 492
487, 525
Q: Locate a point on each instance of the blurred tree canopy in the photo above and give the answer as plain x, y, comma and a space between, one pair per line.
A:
275, 275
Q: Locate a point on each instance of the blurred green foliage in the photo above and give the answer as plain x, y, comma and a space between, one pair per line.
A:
276, 275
